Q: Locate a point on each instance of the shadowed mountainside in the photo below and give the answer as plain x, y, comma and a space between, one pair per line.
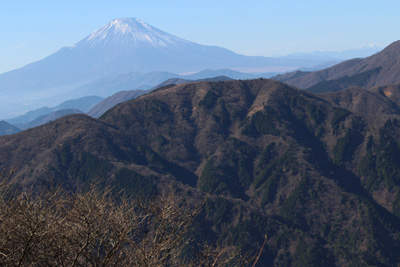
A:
319, 175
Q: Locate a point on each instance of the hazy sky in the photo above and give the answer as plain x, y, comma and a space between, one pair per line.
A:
33, 29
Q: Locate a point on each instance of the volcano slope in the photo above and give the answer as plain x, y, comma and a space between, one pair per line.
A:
319, 175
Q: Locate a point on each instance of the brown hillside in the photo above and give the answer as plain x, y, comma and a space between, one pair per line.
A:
319, 174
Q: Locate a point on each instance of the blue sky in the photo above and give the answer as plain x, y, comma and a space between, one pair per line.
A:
31, 30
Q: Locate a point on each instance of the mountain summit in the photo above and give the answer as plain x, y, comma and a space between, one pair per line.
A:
120, 47
130, 32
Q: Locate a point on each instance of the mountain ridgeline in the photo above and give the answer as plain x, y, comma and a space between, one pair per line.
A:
123, 96
317, 174
120, 50
379, 69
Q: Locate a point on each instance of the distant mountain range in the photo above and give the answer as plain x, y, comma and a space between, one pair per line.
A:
361, 52
48, 118
96, 106
111, 101
380, 69
109, 85
120, 47
123, 96
6, 128
83, 104
175, 81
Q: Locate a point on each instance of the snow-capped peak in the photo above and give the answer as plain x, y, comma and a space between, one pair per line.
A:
130, 31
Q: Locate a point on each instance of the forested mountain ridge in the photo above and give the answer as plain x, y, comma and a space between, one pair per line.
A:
317, 174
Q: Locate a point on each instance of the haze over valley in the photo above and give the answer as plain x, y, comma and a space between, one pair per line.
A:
129, 54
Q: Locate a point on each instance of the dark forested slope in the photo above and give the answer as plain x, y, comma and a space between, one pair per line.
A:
319, 175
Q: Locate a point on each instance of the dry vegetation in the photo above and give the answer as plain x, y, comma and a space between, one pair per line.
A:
93, 228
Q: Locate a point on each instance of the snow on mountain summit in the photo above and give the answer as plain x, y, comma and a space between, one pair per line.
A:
130, 31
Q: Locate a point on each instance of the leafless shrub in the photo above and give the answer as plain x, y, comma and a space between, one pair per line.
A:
58, 228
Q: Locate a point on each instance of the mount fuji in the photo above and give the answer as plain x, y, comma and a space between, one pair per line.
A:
122, 46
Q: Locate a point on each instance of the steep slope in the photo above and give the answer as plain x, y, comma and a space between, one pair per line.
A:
290, 76
379, 69
310, 79
84, 103
320, 180
6, 128
112, 101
